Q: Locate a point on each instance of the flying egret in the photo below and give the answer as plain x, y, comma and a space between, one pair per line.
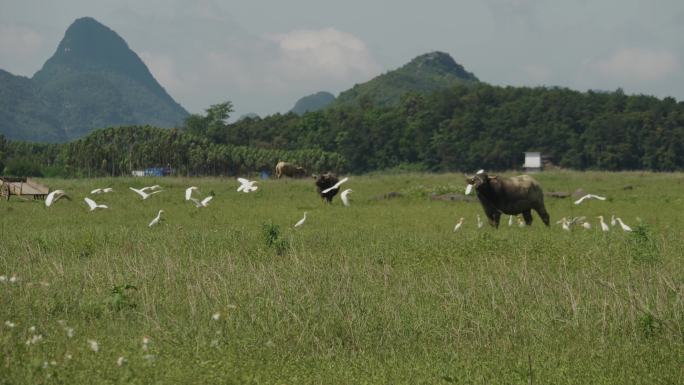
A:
612, 220
203, 203
155, 187
156, 219
604, 226
469, 187
93, 206
623, 225
345, 198
459, 224
510, 220
54, 197
247, 185
188, 192
335, 186
102, 190
143, 194
479, 222
589, 196
301, 221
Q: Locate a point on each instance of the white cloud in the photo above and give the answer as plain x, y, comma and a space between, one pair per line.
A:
638, 65
17, 40
324, 53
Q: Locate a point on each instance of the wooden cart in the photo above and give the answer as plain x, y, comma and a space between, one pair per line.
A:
24, 188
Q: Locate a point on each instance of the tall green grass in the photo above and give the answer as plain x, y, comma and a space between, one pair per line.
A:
381, 292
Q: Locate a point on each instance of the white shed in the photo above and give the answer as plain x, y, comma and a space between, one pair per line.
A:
533, 161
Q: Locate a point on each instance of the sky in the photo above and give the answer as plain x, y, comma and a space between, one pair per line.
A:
263, 55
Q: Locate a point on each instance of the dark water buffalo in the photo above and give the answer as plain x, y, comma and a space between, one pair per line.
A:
324, 181
289, 170
512, 196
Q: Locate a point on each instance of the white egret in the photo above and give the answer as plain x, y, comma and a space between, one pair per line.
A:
155, 187
589, 196
469, 187
156, 219
247, 185
188, 192
565, 224
612, 220
604, 226
623, 225
479, 222
344, 196
93, 206
335, 186
459, 224
203, 203
586, 225
102, 190
301, 221
143, 194
54, 197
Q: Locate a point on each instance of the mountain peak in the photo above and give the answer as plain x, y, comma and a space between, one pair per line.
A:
313, 102
437, 61
423, 74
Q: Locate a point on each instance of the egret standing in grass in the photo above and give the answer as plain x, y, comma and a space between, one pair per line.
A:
612, 220
156, 219
93, 206
623, 225
479, 222
459, 224
345, 198
54, 197
604, 226
301, 221
143, 194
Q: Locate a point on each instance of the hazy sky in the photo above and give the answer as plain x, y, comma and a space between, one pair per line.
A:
264, 55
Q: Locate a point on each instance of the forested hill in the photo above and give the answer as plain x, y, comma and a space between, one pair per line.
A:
93, 80
313, 102
424, 74
465, 127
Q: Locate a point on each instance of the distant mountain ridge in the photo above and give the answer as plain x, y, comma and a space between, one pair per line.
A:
93, 80
313, 102
424, 74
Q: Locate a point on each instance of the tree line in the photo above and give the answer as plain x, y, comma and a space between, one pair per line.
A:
460, 128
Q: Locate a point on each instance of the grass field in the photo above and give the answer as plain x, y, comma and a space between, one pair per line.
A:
382, 292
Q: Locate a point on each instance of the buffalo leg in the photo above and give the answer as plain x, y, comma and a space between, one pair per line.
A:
543, 214
527, 215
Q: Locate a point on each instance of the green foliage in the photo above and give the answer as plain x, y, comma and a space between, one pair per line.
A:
273, 238
121, 297
22, 167
644, 249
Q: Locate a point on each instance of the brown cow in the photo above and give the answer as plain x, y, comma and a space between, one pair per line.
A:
325, 181
512, 196
289, 170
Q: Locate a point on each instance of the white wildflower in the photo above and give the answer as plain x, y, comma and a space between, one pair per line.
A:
10, 324
145, 342
45, 364
32, 329
94, 346
53, 363
34, 339
121, 361
68, 356
214, 343
69, 332
3, 278
149, 357
14, 279
216, 316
